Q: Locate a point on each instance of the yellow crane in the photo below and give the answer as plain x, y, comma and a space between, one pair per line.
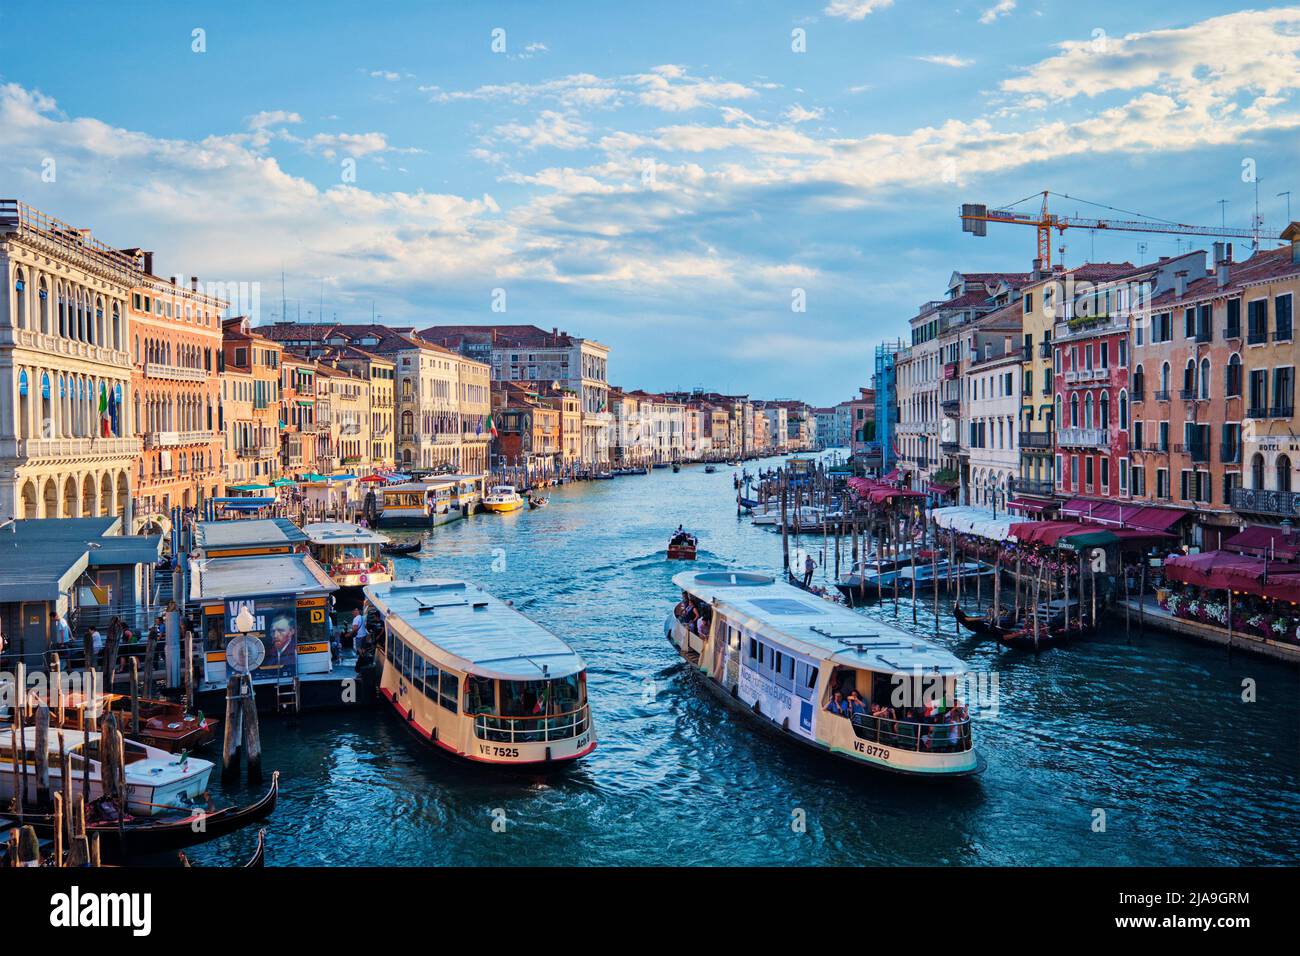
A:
975, 218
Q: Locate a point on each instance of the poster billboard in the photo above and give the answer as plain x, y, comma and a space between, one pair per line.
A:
274, 621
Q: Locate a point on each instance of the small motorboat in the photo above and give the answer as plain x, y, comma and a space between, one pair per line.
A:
660, 464
535, 502
165, 724
401, 550
676, 468
682, 547
710, 469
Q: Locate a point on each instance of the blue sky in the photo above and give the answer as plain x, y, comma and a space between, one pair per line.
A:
661, 177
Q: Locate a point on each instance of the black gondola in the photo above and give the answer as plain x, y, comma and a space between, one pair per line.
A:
140, 836
985, 627
401, 550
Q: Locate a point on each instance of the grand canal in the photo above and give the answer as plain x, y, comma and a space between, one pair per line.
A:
1150, 729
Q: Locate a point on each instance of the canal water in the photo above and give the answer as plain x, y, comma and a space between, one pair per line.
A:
1125, 749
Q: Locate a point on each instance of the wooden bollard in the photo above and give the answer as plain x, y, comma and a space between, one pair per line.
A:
230, 743
79, 852
58, 830
42, 744
252, 733
65, 787
135, 698
29, 847
13, 848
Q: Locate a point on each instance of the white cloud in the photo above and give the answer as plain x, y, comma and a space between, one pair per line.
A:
389, 75
271, 118
855, 9
798, 114
550, 129
946, 60
1001, 9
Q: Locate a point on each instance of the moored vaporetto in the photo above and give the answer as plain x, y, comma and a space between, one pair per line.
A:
475, 678
823, 675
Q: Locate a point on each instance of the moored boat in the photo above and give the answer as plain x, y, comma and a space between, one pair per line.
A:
476, 679
401, 550
535, 502
349, 553
502, 499
822, 675
155, 780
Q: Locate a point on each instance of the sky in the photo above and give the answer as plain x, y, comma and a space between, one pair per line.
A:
742, 196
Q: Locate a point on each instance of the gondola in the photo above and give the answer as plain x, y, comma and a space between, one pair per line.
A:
710, 469
139, 836
535, 503
255, 862
676, 468
984, 627
401, 550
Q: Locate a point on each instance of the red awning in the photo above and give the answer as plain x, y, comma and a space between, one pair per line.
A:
1155, 519
1260, 540
1033, 507
939, 488
1240, 572
892, 476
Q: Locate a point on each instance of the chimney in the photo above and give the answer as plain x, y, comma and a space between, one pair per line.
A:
148, 262
1180, 282
1222, 262
194, 283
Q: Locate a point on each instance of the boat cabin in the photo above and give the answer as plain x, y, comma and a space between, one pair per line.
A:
349, 553
477, 679
824, 675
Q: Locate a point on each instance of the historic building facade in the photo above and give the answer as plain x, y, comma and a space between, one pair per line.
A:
68, 445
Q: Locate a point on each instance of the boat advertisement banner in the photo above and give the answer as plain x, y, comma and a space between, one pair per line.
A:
761, 684
273, 621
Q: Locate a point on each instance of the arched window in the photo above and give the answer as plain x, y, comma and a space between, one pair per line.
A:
1123, 409
1074, 410
1139, 383
1189, 378
1232, 384
1257, 471
1283, 468
1087, 410
1203, 385
43, 304
1164, 379
20, 297
1103, 419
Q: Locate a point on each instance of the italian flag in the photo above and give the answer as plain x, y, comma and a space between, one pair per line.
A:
105, 425
492, 426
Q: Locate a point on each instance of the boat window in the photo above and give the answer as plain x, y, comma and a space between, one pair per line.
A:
417, 671
806, 682
131, 750
754, 649
480, 695
432, 678
407, 654
450, 691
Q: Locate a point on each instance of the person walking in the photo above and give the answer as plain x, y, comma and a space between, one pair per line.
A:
808, 566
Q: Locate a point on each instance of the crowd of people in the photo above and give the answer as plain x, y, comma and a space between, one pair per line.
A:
695, 615
928, 727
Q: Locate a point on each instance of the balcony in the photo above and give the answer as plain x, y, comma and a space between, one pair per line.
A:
951, 406
1084, 437
1256, 336
253, 451
1189, 395
79, 448
1281, 411
1282, 333
1232, 331
1161, 395
1230, 454
1203, 334
1086, 376
1137, 394
950, 447
1196, 451
1044, 349
1284, 504
1031, 486
1257, 411
175, 373
174, 439
1036, 440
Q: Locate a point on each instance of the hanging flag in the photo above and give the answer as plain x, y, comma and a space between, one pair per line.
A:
478, 425
103, 411
492, 426
113, 410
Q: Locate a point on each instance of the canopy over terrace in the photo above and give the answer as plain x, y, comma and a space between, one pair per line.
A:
1079, 534
1282, 544
1220, 570
878, 492
1137, 517
976, 521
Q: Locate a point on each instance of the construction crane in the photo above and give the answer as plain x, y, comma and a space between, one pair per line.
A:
975, 218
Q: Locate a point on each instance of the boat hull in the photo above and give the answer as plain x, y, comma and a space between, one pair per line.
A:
502, 507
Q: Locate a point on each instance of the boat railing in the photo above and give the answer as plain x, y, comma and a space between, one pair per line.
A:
532, 730
917, 736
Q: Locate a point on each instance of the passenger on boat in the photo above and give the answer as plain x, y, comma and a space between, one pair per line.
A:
838, 706
856, 705
809, 565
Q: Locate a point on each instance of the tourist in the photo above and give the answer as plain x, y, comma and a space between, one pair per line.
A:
359, 629
837, 705
856, 704
96, 641
60, 630
158, 631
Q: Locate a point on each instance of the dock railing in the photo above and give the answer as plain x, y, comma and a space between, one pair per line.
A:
531, 730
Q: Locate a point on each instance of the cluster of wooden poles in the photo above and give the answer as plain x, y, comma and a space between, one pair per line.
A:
65, 807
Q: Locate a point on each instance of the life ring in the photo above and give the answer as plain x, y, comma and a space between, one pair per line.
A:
365, 578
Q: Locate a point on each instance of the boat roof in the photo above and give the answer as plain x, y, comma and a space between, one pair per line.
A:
484, 634
420, 485
263, 575
236, 534
816, 627
341, 532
